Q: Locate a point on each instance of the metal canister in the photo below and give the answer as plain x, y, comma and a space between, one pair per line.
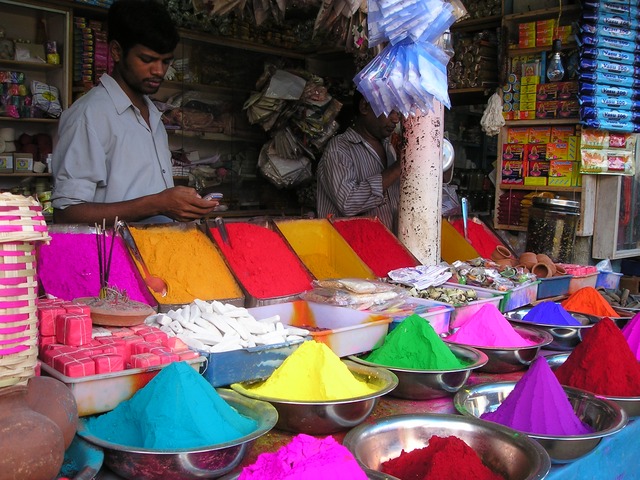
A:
552, 227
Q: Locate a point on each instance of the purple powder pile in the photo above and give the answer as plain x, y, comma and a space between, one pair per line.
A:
538, 404
550, 313
68, 268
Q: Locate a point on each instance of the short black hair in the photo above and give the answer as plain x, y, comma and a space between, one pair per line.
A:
142, 22
357, 96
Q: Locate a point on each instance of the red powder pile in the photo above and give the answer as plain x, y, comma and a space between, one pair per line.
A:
588, 300
445, 458
480, 237
602, 363
262, 261
374, 244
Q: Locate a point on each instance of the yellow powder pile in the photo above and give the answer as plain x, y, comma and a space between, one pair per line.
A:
313, 373
188, 262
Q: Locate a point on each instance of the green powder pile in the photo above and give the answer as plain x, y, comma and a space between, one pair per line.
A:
177, 409
415, 344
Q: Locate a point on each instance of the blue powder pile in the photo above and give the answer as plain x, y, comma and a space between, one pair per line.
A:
550, 313
177, 409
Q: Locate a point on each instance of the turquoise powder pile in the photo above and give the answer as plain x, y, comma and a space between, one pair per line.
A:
177, 409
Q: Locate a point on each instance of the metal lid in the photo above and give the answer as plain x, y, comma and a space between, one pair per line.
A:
556, 202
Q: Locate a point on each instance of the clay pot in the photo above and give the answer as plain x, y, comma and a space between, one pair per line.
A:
32, 445
54, 400
560, 270
499, 253
528, 259
542, 258
541, 270
506, 262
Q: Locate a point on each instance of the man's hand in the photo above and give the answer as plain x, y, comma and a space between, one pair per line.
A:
184, 204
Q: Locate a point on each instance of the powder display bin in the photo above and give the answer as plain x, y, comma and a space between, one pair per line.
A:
580, 281
375, 244
251, 300
194, 261
438, 314
246, 364
102, 393
322, 249
346, 331
553, 286
610, 280
516, 297
462, 312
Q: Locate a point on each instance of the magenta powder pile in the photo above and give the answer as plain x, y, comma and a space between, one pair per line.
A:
262, 261
631, 333
488, 328
538, 404
306, 458
68, 268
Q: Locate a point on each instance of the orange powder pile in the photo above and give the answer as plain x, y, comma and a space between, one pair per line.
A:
588, 300
188, 262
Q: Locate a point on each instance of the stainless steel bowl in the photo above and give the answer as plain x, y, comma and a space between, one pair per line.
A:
326, 417
604, 416
512, 359
565, 337
427, 384
505, 451
631, 405
206, 462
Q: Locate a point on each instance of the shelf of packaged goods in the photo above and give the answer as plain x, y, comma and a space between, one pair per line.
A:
199, 87
475, 24
220, 137
29, 120
550, 188
515, 51
20, 65
470, 96
542, 121
542, 14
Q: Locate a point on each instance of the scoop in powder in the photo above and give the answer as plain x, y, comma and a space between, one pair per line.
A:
306, 458
488, 328
538, 404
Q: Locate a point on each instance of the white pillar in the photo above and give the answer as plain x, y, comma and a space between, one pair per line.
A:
420, 215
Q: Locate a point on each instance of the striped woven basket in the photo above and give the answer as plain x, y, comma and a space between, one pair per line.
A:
22, 225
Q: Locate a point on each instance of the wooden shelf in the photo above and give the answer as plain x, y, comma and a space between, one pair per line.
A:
40, 66
470, 96
25, 174
220, 137
29, 120
178, 85
510, 227
542, 121
474, 24
513, 52
542, 14
549, 188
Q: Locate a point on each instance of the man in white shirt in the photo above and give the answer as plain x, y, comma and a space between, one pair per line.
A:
358, 174
112, 157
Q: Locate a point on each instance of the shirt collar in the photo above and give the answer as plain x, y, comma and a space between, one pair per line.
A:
354, 137
120, 99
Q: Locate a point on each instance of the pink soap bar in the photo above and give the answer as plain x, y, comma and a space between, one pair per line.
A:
45, 340
143, 360
168, 357
156, 336
187, 355
108, 363
142, 347
73, 329
175, 344
129, 343
55, 350
47, 319
72, 307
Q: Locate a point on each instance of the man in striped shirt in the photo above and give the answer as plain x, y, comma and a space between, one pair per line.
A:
358, 174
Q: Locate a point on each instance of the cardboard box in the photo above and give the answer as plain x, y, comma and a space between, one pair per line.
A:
568, 109
535, 152
536, 171
561, 133
539, 134
513, 151
23, 162
561, 173
547, 109
569, 150
6, 163
518, 135
513, 172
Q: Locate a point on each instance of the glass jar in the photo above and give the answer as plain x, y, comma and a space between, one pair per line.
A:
552, 227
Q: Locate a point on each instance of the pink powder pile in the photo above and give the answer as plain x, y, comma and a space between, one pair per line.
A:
306, 458
488, 328
538, 404
68, 268
631, 333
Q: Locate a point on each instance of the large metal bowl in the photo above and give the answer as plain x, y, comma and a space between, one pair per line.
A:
212, 461
604, 416
512, 359
503, 450
326, 417
427, 384
565, 337
631, 405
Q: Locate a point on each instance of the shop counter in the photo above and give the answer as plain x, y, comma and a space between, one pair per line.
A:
614, 459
